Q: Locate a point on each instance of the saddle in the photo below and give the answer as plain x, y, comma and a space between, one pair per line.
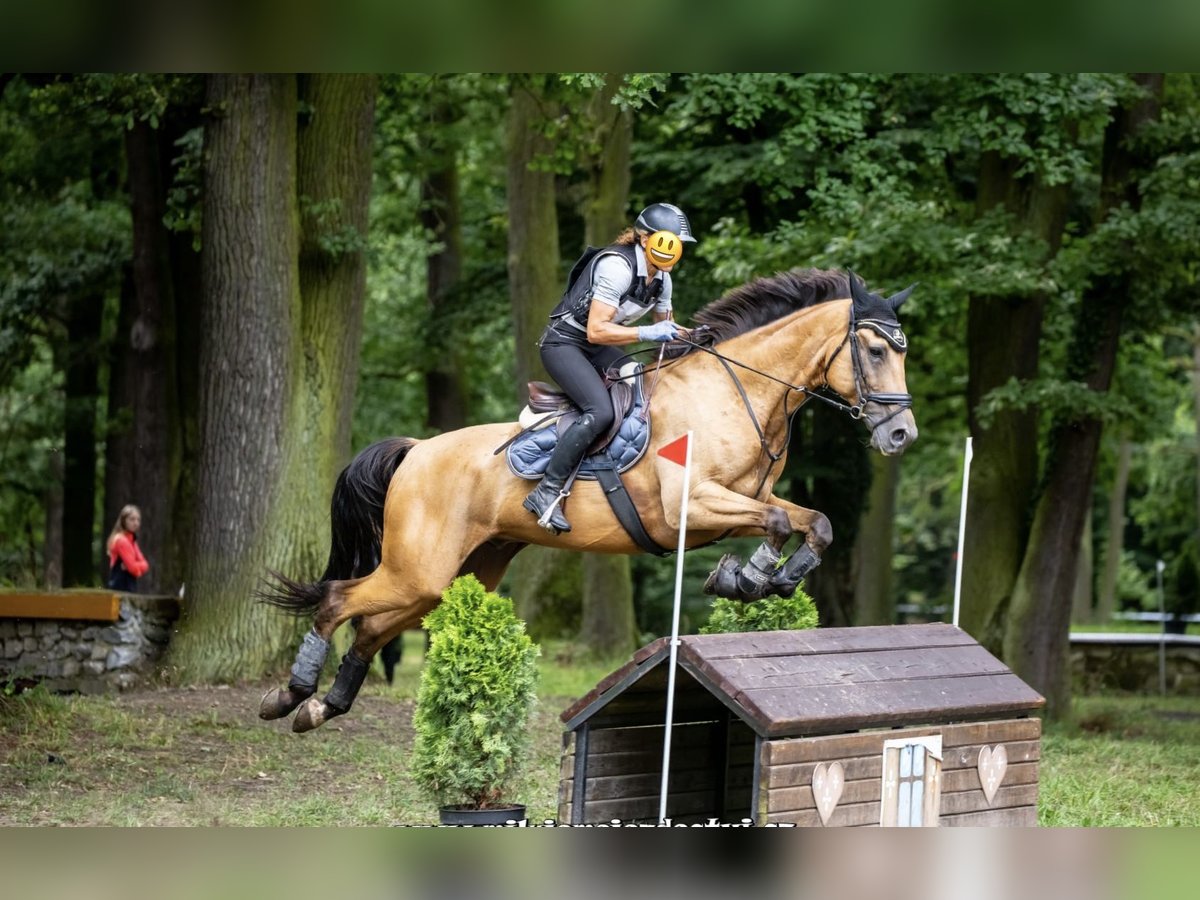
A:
550, 412
545, 399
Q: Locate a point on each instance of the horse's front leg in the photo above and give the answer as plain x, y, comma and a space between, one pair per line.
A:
712, 507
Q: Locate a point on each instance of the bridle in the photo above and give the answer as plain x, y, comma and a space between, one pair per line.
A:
889, 331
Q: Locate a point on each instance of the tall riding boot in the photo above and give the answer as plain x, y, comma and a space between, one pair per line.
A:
545, 501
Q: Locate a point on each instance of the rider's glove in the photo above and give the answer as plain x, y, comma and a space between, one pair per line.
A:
666, 330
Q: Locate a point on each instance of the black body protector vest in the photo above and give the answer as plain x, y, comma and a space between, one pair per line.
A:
571, 314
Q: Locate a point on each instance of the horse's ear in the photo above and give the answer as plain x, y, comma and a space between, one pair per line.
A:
897, 300
858, 291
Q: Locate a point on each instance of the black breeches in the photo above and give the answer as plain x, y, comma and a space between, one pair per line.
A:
577, 370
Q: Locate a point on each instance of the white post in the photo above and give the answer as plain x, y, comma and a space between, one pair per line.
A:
683, 511
1162, 637
962, 531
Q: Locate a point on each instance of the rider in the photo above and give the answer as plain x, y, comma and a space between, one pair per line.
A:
617, 286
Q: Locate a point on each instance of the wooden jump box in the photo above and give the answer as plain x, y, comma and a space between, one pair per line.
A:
879, 725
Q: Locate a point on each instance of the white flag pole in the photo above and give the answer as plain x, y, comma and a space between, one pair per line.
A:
962, 530
683, 511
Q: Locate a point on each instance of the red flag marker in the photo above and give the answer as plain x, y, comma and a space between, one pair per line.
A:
676, 451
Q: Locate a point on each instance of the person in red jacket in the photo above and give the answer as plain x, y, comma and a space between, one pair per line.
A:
125, 561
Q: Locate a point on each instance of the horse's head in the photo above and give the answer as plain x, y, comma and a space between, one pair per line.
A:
871, 373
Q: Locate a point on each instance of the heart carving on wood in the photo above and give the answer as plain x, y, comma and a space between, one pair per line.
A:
993, 763
827, 784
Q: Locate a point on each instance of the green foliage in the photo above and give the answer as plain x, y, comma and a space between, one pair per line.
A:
769, 614
477, 692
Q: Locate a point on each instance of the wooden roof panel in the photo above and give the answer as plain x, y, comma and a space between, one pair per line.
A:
832, 679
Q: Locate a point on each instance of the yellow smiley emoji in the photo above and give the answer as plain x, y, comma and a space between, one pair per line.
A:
664, 249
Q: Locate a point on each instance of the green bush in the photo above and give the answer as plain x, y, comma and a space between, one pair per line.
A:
477, 691
769, 614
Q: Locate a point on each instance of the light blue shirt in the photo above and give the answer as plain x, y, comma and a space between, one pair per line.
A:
612, 278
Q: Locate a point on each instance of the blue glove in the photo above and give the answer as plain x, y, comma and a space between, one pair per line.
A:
666, 330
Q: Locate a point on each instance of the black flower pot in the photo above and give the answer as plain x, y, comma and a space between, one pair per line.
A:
469, 815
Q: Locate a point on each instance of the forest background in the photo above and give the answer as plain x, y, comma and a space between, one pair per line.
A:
215, 289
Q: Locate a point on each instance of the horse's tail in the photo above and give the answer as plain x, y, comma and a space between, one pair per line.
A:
356, 522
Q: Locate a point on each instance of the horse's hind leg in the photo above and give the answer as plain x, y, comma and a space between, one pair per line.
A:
487, 562
327, 597
372, 635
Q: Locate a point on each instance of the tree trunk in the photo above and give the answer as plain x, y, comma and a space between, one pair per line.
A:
151, 366
838, 466
334, 185
446, 403
1036, 640
81, 364
52, 539
277, 364
1003, 335
1085, 573
545, 583
533, 253
119, 423
874, 603
1107, 601
609, 622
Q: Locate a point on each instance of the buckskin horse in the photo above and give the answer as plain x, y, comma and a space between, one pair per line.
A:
410, 515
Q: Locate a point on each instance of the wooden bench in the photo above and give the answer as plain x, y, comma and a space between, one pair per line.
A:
90, 605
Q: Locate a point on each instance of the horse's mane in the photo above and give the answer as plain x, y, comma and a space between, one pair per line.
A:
766, 299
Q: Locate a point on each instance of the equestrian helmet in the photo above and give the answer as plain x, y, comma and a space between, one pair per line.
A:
665, 217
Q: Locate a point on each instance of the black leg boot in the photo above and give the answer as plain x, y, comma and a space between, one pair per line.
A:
788, 577
545, 501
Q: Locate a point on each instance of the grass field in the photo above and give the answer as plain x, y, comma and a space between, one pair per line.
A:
202, 757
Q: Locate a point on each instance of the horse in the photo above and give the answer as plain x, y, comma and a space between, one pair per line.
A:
411, 515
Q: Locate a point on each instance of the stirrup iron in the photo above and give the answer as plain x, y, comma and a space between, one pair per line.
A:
545, 517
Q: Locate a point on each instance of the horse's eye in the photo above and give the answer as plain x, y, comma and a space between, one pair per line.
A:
876, 352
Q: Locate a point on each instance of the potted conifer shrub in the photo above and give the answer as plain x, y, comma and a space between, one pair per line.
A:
477, 691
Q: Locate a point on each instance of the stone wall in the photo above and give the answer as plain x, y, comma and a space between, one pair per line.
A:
90, 657
1135, 667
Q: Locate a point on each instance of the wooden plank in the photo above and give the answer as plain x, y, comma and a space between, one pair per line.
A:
822, 640
690, 700
801, 797
734, 675
995, 731
1011, 817
974, 801
848, 815
867, 743
685, 756
784, 711
97, 606
870, 789
968, 757
1023, 757
856, 768
646, 738
649, 784
645, 809
968, 779
870, 743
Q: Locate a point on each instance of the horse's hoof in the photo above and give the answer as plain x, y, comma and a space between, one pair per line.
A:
276, 703
723, 580
313, 714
